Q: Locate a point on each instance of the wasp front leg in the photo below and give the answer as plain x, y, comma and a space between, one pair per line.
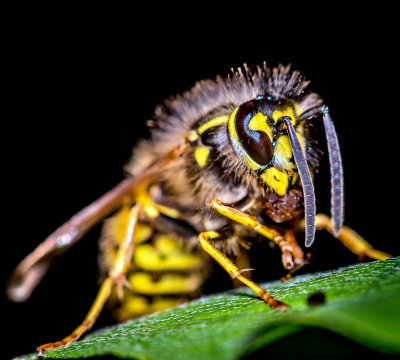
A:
298, 254
235, 272
116, 277
292, 255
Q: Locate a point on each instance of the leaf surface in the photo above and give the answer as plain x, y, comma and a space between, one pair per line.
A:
360, 302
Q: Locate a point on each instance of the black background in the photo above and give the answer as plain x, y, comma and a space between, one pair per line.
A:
79, 89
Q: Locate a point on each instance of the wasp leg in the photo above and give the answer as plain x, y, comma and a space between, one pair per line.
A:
349, 238
235, 272
116, 277
290, 253
242, 260
298, 254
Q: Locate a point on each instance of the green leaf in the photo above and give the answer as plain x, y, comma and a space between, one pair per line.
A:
361, 302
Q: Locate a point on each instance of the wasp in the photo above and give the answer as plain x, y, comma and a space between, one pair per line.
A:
227, 163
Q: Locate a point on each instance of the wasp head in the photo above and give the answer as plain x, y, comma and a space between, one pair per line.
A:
269, 138
261, 138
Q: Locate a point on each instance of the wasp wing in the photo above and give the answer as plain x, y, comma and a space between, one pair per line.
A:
30, 271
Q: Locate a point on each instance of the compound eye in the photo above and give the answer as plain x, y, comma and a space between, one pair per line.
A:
249, 124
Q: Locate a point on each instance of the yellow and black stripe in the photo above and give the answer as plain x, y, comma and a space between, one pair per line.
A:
163, 272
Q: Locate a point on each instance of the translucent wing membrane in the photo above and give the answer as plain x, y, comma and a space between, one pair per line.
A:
306, 180
335, 160
30, 271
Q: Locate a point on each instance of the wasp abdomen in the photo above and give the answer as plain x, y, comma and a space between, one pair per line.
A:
163, 272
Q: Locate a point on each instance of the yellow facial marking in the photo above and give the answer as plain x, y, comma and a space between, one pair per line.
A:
220, 120
231, 125
250, 163
283, 147
277, 180
259, 123
283, 150
201, 155
288, 111
283, 153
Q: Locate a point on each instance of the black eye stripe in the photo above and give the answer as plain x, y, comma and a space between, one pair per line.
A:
256, 143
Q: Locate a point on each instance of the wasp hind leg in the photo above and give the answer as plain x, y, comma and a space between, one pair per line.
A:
116, 277
349, 238
235, 272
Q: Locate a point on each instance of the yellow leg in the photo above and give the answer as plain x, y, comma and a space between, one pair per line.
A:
298, 254
235, 272
354, 242
242, 261
291, 253
116, 276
